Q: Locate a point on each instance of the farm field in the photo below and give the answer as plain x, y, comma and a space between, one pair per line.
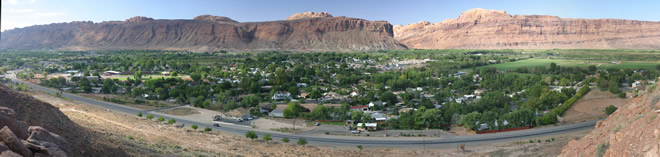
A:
529, 63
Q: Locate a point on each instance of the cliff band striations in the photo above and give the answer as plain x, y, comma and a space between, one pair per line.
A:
491, 29
208, 33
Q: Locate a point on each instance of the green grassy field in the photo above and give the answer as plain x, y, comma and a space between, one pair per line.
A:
124, 77
572, 63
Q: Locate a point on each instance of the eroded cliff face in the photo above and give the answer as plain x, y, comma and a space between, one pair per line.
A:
491, 29
208, 33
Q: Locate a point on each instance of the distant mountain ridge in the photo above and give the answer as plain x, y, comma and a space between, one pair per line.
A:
492, 29
318, 32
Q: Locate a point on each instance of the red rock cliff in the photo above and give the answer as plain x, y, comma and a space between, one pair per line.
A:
208, 33
490, 29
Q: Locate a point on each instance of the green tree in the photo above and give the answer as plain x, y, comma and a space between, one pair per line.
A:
161, 119
359, 147
610, 109
250, 101
137, 75
315, 94
251, 135
294, 91
150, 116
139, 114
194, 127
207, 129
302, 141
388, 97
285, 140
196, 76
171, 121
267, 137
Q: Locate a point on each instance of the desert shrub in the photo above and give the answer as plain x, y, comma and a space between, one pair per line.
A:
302, 141
601, 148
610, 109
285, 140
622, 95
616, 129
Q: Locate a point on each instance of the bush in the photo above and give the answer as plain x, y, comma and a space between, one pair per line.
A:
302, 141
610, 109
267, 137
601, 148
171, 121
360, 147
285, 140
622, 95
139, 114
194, 126
531, 141
161, 119
150, 116
251, 135
207, 129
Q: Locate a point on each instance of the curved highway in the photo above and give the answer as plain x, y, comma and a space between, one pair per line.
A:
448, 142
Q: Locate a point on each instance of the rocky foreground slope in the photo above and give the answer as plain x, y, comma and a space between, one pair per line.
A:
491, 29
633, 130
301, 32
30, 127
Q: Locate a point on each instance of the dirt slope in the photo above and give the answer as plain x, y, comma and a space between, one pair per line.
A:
303, 32
83, 142
491, 29
633, 130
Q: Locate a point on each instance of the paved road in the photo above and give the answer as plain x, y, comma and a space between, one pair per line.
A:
446, 142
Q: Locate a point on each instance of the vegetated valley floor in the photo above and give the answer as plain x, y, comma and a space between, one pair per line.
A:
142, 137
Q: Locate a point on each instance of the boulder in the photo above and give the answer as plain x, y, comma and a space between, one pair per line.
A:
9, 153
3, 147
7, 112
8, 118
42, 135
13, 142
41, 148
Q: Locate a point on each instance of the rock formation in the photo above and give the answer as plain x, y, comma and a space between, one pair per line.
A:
219, 19
41, 142
50, 132
307, 15
491, 29
209, 33
633, 130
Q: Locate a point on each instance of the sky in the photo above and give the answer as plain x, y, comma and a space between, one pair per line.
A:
22, 13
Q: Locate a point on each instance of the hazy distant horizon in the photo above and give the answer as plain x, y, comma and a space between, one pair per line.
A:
22, 13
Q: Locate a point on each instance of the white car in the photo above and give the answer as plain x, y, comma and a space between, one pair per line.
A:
355, 131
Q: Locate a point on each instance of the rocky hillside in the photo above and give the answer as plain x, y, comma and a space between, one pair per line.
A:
300, 32
30, 126
633, 130
491, 29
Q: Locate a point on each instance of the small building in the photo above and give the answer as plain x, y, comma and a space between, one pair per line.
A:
304, 95
360, 108
301, 85
379, 116
238, 113
277, 113
279, 96
165, 73
479, 91
367, 126
109, 73
376, 103
458, 74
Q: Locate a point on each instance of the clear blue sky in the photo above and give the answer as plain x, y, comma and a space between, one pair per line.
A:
21, 13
